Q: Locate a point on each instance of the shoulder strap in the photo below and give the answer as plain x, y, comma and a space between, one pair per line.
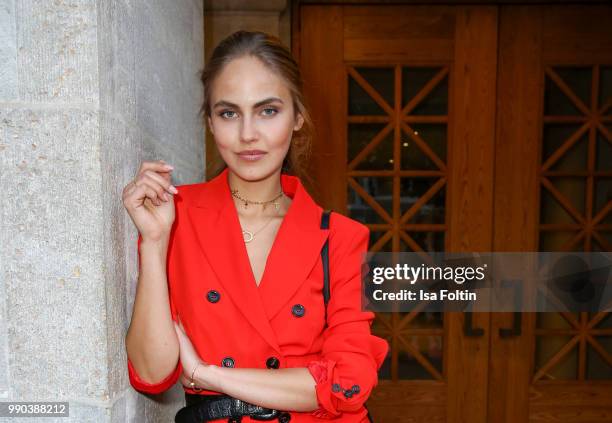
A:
325, 257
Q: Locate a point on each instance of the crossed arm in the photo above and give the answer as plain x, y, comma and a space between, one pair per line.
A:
282, 389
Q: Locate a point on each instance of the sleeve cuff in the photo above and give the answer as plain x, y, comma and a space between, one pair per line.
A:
321, 371
153, 388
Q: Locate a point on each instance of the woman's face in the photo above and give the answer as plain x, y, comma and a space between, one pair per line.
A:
252, 111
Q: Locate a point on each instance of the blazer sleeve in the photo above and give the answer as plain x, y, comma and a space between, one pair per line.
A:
351, 356
166, 383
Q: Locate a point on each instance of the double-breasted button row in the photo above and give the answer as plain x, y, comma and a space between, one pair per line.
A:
298, 310
271, 362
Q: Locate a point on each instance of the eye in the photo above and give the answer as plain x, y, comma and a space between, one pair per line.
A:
222, 114
270, 108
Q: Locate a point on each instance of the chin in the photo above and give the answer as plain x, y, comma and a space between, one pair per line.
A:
255, 172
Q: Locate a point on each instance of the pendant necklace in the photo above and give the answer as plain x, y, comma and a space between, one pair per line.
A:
249, 235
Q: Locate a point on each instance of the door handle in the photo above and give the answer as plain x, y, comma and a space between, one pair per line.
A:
515, 330
468, 327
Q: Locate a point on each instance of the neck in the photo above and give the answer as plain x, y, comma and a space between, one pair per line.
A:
259, 190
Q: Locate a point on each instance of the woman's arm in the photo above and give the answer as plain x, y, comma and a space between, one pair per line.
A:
291, 389
151, 342
282, 389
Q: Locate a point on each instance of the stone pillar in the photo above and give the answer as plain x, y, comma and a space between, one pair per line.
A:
88, 89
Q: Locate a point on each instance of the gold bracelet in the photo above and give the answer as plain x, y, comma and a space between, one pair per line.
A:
191, 382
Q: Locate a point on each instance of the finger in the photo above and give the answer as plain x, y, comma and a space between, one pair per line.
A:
164, 181
157, 165
150, 189
154, 183
151, 194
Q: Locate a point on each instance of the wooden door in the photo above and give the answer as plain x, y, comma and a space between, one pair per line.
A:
403, 98
471, 128
553, 192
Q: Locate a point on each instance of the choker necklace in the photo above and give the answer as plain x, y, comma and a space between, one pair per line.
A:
246, 234
264, 203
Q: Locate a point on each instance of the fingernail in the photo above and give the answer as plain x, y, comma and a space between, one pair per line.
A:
173, 189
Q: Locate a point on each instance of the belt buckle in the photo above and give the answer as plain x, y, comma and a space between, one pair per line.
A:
263, 415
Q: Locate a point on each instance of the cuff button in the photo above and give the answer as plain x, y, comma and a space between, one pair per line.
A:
355, 389
336, 387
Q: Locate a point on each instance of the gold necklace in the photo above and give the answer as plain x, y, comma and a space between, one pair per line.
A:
246, 234
264, 203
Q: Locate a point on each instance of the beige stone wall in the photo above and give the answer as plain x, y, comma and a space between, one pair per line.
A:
88, 89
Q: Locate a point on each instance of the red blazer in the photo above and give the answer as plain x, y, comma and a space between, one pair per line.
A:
280, 323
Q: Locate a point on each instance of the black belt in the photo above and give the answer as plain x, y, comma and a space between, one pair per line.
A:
202, 408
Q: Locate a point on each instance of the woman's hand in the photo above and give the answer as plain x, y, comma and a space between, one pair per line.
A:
149, 201
190, 359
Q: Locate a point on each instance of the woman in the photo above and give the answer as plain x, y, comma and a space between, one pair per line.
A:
229, 297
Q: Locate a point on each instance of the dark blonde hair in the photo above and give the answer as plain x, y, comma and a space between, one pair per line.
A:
276, 57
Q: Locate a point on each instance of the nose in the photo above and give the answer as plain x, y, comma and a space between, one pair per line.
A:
248, 130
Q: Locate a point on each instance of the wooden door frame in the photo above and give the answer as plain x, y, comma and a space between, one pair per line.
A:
295, 9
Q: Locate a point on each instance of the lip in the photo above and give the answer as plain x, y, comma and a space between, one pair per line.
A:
252, 155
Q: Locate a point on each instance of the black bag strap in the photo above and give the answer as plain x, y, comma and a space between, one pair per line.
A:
325, 257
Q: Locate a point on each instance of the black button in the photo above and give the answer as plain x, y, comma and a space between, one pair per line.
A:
298, 310
355, 389
227, 362
284, 417
272, 363
213, 296
336, 387
348, 393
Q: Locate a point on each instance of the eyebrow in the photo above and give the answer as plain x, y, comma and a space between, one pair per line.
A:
259, 103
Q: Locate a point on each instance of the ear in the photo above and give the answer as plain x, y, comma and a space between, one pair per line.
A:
300, 122
210, 125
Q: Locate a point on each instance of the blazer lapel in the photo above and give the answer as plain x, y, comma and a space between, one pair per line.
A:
294, 253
